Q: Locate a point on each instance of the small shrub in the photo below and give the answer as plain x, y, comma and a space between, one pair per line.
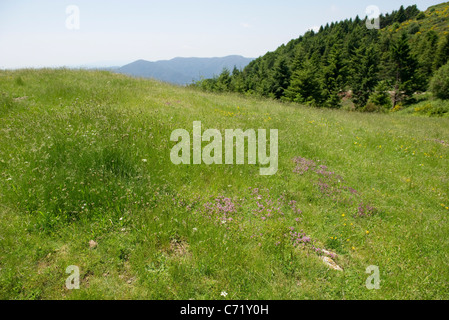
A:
19, 81
421, 16
371, 107
414, 28
397, 108
439, 84
435, 108
380, 97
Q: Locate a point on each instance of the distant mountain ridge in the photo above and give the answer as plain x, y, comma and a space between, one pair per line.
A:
183, 71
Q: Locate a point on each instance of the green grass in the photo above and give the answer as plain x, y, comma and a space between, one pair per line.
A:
86, 156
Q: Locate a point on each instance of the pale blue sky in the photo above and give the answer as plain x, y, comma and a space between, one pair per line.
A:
33, 33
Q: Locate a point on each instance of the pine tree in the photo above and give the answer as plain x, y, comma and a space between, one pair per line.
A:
305, 86
224, 81
427, 52
281, 78
381, 97
405, 66
442, 54
237, 81
364, 74
333, 77
401, 16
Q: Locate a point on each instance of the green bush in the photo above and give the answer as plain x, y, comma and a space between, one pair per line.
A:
371, 107
421, 16
435, 108
439, 84
380, 97
414, 28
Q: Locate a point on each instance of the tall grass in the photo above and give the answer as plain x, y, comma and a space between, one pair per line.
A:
86, 156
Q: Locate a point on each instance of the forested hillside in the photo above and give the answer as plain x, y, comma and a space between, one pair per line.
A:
346, 61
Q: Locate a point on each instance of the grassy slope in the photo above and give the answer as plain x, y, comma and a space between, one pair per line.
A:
436, 19
72, 170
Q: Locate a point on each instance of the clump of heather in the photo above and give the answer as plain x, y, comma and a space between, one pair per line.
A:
221, 208
329, 183
365, 210
303, 165
299, 238
266, 207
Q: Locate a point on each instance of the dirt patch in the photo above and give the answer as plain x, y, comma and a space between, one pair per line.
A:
179, 248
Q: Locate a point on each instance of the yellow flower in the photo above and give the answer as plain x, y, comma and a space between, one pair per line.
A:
353, 248
367, 232
343, 215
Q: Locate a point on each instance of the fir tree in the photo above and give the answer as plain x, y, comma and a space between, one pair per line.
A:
364, 74
405, 66
442, 54
305, 86
281, 78
333, 79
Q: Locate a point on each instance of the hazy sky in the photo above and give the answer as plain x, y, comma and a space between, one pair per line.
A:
34, 33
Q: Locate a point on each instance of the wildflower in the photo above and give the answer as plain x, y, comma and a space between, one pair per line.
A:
144, 160
367, 232
343, 215
353, 248
224, 294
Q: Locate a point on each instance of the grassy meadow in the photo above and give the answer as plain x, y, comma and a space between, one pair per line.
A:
86, 180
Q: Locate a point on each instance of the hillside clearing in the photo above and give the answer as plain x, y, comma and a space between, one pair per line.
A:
85, 156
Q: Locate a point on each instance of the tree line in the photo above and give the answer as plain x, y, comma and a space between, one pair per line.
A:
375, 68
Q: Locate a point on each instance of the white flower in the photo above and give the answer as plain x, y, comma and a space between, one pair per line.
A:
144, 160
224, 294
